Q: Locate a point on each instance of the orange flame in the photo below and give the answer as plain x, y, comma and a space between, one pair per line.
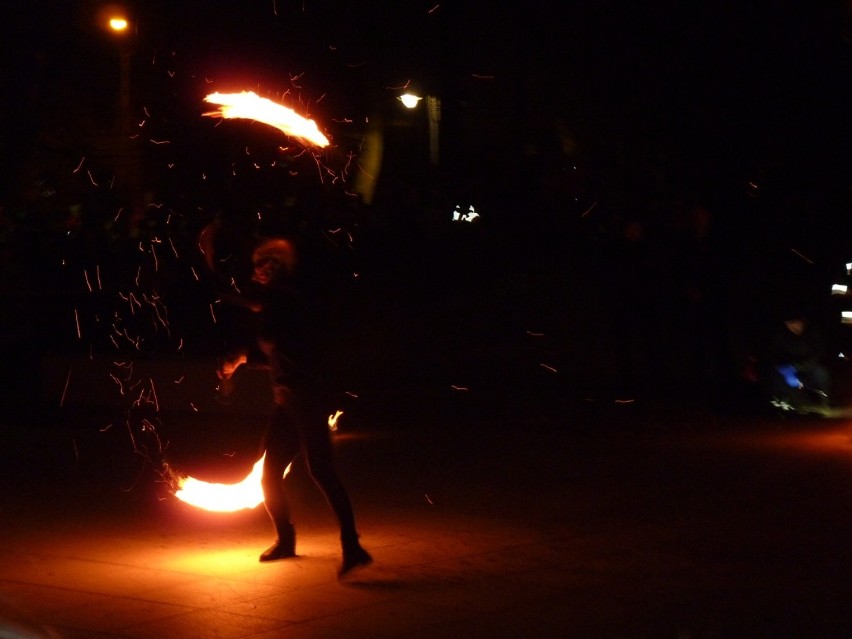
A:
332, 420
224, 498
250, 106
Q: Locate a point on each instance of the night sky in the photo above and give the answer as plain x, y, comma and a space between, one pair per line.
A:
709, 85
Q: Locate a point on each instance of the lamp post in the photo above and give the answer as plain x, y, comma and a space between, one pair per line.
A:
115, 20
433, 113
117, 24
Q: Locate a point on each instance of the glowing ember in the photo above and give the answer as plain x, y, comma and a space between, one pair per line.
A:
224, 498
250, 106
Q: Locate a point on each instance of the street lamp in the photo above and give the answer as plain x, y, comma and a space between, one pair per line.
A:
409, 100
118, 24
116, 21
433, 112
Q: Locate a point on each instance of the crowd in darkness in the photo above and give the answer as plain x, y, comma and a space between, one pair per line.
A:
652, 290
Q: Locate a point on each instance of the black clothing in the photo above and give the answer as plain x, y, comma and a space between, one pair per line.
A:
289, 334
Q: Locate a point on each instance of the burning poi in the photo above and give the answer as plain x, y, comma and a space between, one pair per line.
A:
227, 498
248, 493
250, 106
223, 498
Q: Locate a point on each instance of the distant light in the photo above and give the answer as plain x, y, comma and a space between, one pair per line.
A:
846, 317
839, 289
470, 216
409, 100
849, 268
118, 24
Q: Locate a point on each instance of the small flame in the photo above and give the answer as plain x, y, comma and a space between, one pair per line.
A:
224, 498
251, 106
332, 420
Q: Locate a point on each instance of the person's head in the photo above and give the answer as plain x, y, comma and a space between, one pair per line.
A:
273, 259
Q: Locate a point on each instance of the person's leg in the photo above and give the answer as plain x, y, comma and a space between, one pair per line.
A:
317, 447
281, 445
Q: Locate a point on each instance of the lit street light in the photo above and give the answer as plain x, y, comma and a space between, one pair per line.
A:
433, 112
119, 25
115, 20
409, 100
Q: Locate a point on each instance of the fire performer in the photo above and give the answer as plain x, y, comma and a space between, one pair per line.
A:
298, 425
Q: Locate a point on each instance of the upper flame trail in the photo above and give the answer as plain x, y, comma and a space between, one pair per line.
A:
250, 106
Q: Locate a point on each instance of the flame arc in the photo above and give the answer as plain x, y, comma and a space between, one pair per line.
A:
224, 498
227, 498
250, 106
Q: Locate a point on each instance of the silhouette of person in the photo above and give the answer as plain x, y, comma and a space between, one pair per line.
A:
285, 331
797, 359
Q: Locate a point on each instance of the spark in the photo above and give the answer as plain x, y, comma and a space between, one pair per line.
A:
213, 314
154, 393
79, 166
132, 438
459, 388
808, 260
550, 368
118, 382
86, 277
92, 179
589, 210
65, 390
77, 319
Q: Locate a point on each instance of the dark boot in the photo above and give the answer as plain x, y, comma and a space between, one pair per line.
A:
284, 547
354, 556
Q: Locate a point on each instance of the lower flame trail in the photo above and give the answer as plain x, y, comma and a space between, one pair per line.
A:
224, 498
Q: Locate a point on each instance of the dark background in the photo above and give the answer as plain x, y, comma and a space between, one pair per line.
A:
657, 181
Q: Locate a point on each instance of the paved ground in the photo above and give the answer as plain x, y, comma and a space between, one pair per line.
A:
593, 518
